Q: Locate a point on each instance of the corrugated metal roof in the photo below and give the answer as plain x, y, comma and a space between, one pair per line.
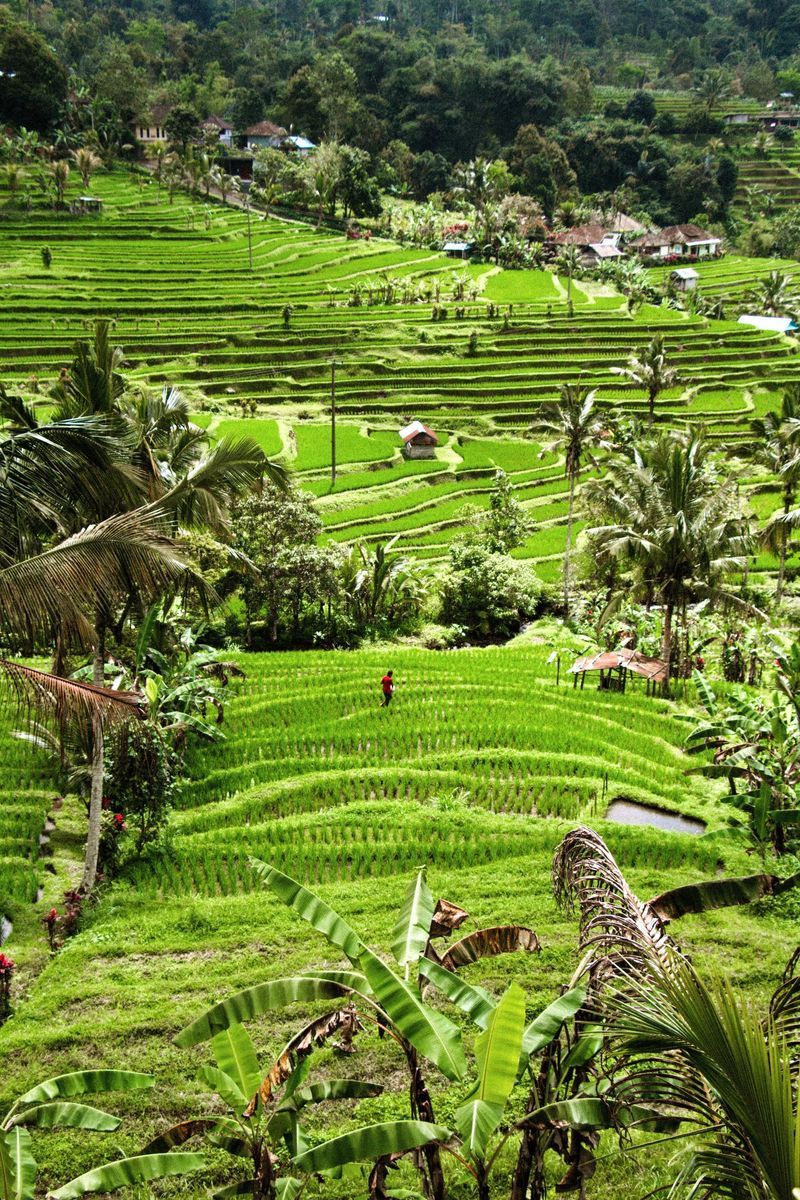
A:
774, 324
414, 430
611, 660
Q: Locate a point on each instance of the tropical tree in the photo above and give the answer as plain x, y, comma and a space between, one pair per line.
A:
776, 295
569, 263
15, 176
320, 175
705, 1053
164, 484
755, 742
778, 449
699, 1054
571, 427
713, 88
379, 584
86, 163
52, 1104
651, 372
675, 522
59, 173
159, 154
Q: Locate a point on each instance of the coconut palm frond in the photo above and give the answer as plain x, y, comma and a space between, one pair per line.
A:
64, 702
128, 554
232, 466
618, 930
703, 1051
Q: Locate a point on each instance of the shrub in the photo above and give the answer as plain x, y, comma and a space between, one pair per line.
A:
487, 593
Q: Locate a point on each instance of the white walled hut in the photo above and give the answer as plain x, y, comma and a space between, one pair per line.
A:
684, 279
418, 440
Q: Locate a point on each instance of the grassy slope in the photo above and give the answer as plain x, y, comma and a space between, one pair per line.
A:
303, 734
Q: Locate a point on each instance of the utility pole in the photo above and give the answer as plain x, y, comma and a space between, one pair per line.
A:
333, 423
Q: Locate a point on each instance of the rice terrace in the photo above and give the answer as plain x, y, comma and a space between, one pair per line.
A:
399, 594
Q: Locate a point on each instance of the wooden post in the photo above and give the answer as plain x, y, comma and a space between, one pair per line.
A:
333, 422
249, 238
558, 669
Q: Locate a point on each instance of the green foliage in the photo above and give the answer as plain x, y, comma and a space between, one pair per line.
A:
486, 593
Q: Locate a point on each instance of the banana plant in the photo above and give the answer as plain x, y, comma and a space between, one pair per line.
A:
266, 1104
379, 996
556, 1052
51, 1105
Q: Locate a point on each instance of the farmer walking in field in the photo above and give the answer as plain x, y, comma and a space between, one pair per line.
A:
387, 683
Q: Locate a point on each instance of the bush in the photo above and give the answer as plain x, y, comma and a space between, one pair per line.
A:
488, 594
139, 784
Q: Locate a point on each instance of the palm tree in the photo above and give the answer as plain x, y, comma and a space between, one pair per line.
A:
59, 171
568, 262
675, 522
778, 435
776, 294
761, 144
159, 154
695, 1052
15, 175
713, 88
705, 1054
169, 475
650, 372
86, 161
570, 427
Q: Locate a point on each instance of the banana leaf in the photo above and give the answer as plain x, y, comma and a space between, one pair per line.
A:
413, 925
78, 1083
718, 893
369, 1143
265, 997
476, 1121
17, 1165
236, 1058
432, 1034
486, 943
471, 999
309, 906
126, 1171
545, 1027
74, 1116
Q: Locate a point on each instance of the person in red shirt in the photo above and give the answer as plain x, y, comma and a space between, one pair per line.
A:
387, 683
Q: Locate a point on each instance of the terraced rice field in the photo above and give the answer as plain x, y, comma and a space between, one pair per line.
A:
677, 103
477, 769
731, 277
26, 797
176, 282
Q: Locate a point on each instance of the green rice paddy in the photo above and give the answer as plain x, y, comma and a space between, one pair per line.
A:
253, 351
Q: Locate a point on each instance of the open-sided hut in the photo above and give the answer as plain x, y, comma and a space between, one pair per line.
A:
614, 666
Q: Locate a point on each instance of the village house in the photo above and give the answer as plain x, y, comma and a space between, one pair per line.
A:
222, 128
418, 441
266, 135
151, 128
678, 241
594, 242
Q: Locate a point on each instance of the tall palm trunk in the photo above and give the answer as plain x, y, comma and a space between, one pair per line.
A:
651, 403
568, 551
98, 748
666, 641
783, 550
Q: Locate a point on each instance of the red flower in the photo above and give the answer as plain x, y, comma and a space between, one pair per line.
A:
51, 917
119, 821
6, 968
